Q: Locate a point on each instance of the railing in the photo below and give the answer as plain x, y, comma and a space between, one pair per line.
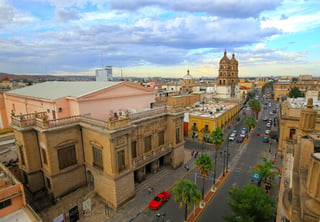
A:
147, 113
40, 119
154, 154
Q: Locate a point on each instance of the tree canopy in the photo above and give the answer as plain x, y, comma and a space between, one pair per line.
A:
187, 192
295, 93
255, 107
250, 204
250, 122
205, 165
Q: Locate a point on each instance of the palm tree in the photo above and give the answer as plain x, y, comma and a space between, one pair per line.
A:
250, 122
187, 192
255, 107
266, 170
217, 138
205, 165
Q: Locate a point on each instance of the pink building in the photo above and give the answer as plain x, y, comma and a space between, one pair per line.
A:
13, 205
99, 100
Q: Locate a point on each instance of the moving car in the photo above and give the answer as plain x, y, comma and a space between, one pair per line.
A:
267, 131
160, 199
265, 139
265, 118
240, 139
232, 137
269, 124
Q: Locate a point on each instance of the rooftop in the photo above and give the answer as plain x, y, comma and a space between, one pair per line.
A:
59, 89
211, 109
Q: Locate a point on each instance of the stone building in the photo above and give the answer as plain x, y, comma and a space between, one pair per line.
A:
111, 157
304, 83
187, 83
299, 145
227, 83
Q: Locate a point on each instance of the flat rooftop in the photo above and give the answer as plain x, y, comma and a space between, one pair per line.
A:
211, 109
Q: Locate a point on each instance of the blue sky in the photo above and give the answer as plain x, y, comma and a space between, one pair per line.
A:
159, 37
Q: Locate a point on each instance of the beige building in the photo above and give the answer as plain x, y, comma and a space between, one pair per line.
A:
304, 83
299, 145
111, 157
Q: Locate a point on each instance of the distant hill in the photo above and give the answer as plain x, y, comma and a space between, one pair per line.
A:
43, 78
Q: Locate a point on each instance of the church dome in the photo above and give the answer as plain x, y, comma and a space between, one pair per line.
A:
188, 76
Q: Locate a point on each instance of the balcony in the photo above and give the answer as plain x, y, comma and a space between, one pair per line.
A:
150, 156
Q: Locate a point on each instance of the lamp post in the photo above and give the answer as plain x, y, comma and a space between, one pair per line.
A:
227, 156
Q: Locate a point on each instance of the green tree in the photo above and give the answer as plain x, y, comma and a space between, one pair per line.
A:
255, 107
250, 122
217, 138
205, 165
295, 92
250, 204
186, 192
251, 95
266, 170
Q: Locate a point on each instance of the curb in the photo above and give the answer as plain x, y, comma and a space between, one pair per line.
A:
195, 214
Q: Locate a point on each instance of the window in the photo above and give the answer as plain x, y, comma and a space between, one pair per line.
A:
178, 135
147, 143
97, 158
161, 138
44, 156
5, 203
292, 133
121, 160
134, 149
67, 156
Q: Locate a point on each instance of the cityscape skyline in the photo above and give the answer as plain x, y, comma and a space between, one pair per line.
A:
159, 38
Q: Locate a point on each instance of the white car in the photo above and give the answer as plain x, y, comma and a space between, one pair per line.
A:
267, 132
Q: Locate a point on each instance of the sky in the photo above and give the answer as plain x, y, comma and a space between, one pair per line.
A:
159, 38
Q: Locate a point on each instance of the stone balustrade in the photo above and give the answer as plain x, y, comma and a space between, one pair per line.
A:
153, 154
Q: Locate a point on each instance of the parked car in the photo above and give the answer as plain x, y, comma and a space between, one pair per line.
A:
160, 199
255, 178
269, 125
265, 118
265, 139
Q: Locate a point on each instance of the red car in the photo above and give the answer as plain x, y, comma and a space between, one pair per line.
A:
159, 200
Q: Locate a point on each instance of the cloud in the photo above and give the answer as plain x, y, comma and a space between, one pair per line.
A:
67, 15
230, 8
7, 13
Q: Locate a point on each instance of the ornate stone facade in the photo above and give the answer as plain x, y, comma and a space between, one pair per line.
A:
299, 195
228, 79
60, 155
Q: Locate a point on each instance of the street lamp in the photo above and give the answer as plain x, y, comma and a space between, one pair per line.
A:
227, 156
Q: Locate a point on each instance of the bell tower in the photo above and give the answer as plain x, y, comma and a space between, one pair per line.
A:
228, 73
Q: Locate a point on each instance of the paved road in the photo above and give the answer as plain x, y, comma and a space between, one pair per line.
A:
250, 155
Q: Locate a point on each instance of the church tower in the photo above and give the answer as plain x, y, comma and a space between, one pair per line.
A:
228, 74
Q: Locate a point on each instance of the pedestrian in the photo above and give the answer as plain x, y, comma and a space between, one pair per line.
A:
186, 167
192, 153
196, 154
